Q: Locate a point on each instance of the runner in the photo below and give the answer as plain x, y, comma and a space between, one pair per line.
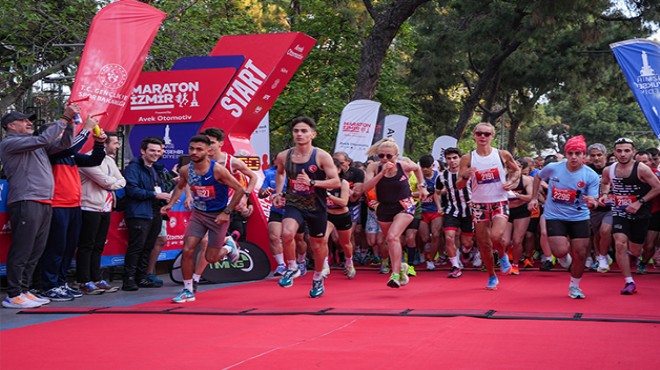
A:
572, 188
395, 203
458, 218
487, 167
632, 186
209, 184
310, 172
339, 220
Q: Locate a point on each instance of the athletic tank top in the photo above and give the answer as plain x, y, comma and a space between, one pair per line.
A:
208, 194
628, 190
487, 181
428, 204
302, 196
393, 189
337, 193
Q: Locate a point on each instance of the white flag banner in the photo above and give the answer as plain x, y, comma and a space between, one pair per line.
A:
395, 127
442, 143
260, 141
357, 126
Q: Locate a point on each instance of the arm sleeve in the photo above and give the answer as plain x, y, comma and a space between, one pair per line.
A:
93, 160
30, 143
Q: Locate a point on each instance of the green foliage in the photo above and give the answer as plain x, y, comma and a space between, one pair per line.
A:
561, 79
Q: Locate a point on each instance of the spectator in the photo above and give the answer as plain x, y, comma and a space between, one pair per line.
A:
98, 185
30, 177
144, 197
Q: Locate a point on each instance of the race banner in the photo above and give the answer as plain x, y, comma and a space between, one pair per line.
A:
357, 127
442, 143
175, 96
394, 126
270, 62
260, 140
640, 62
117, 44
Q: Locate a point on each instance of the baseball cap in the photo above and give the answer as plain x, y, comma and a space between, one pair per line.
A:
15, 116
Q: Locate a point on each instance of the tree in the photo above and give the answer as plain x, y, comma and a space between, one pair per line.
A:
387, 23
30, 32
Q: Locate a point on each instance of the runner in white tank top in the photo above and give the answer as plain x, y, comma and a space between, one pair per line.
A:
493, 173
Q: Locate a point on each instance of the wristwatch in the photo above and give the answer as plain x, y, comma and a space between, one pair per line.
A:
421, 185
312, 182
641, 200
226, 211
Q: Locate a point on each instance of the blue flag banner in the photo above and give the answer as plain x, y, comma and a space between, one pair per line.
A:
640, 61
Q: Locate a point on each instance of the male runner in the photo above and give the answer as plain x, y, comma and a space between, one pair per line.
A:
209, 184
572, 188
310, 171
632, 186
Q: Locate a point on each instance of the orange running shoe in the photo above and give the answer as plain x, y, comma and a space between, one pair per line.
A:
515, 270
528, 263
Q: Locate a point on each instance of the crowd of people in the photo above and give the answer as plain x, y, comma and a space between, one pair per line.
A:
484, 209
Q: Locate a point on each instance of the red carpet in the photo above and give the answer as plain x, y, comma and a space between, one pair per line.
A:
530, 292
269, 337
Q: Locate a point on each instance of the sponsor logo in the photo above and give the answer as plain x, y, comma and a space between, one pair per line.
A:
173, 222
581, 184
244, 263
312, 168
296, 52
122, 224
165, 96
275, 84
243, 88
112, 76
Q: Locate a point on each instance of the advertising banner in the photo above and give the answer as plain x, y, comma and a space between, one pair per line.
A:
357, 126
394, 126
260, 140
640, 62
442, 143
175, 96
270, 62
117, 44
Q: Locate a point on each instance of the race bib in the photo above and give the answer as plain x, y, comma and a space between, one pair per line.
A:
563, 195
623, 201
203, 192
488, 176
300, 187
408, 205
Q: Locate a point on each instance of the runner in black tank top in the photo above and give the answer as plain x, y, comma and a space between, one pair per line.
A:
339, 218
310, 172
519, 217
396, 206
633, 186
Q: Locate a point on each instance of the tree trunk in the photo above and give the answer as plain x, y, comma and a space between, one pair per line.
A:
485, 80
387, 25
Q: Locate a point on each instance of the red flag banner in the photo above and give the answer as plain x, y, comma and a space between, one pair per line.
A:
117, 45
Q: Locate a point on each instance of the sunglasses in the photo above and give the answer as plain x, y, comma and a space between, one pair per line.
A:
623, 140
383, 155
481, 133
